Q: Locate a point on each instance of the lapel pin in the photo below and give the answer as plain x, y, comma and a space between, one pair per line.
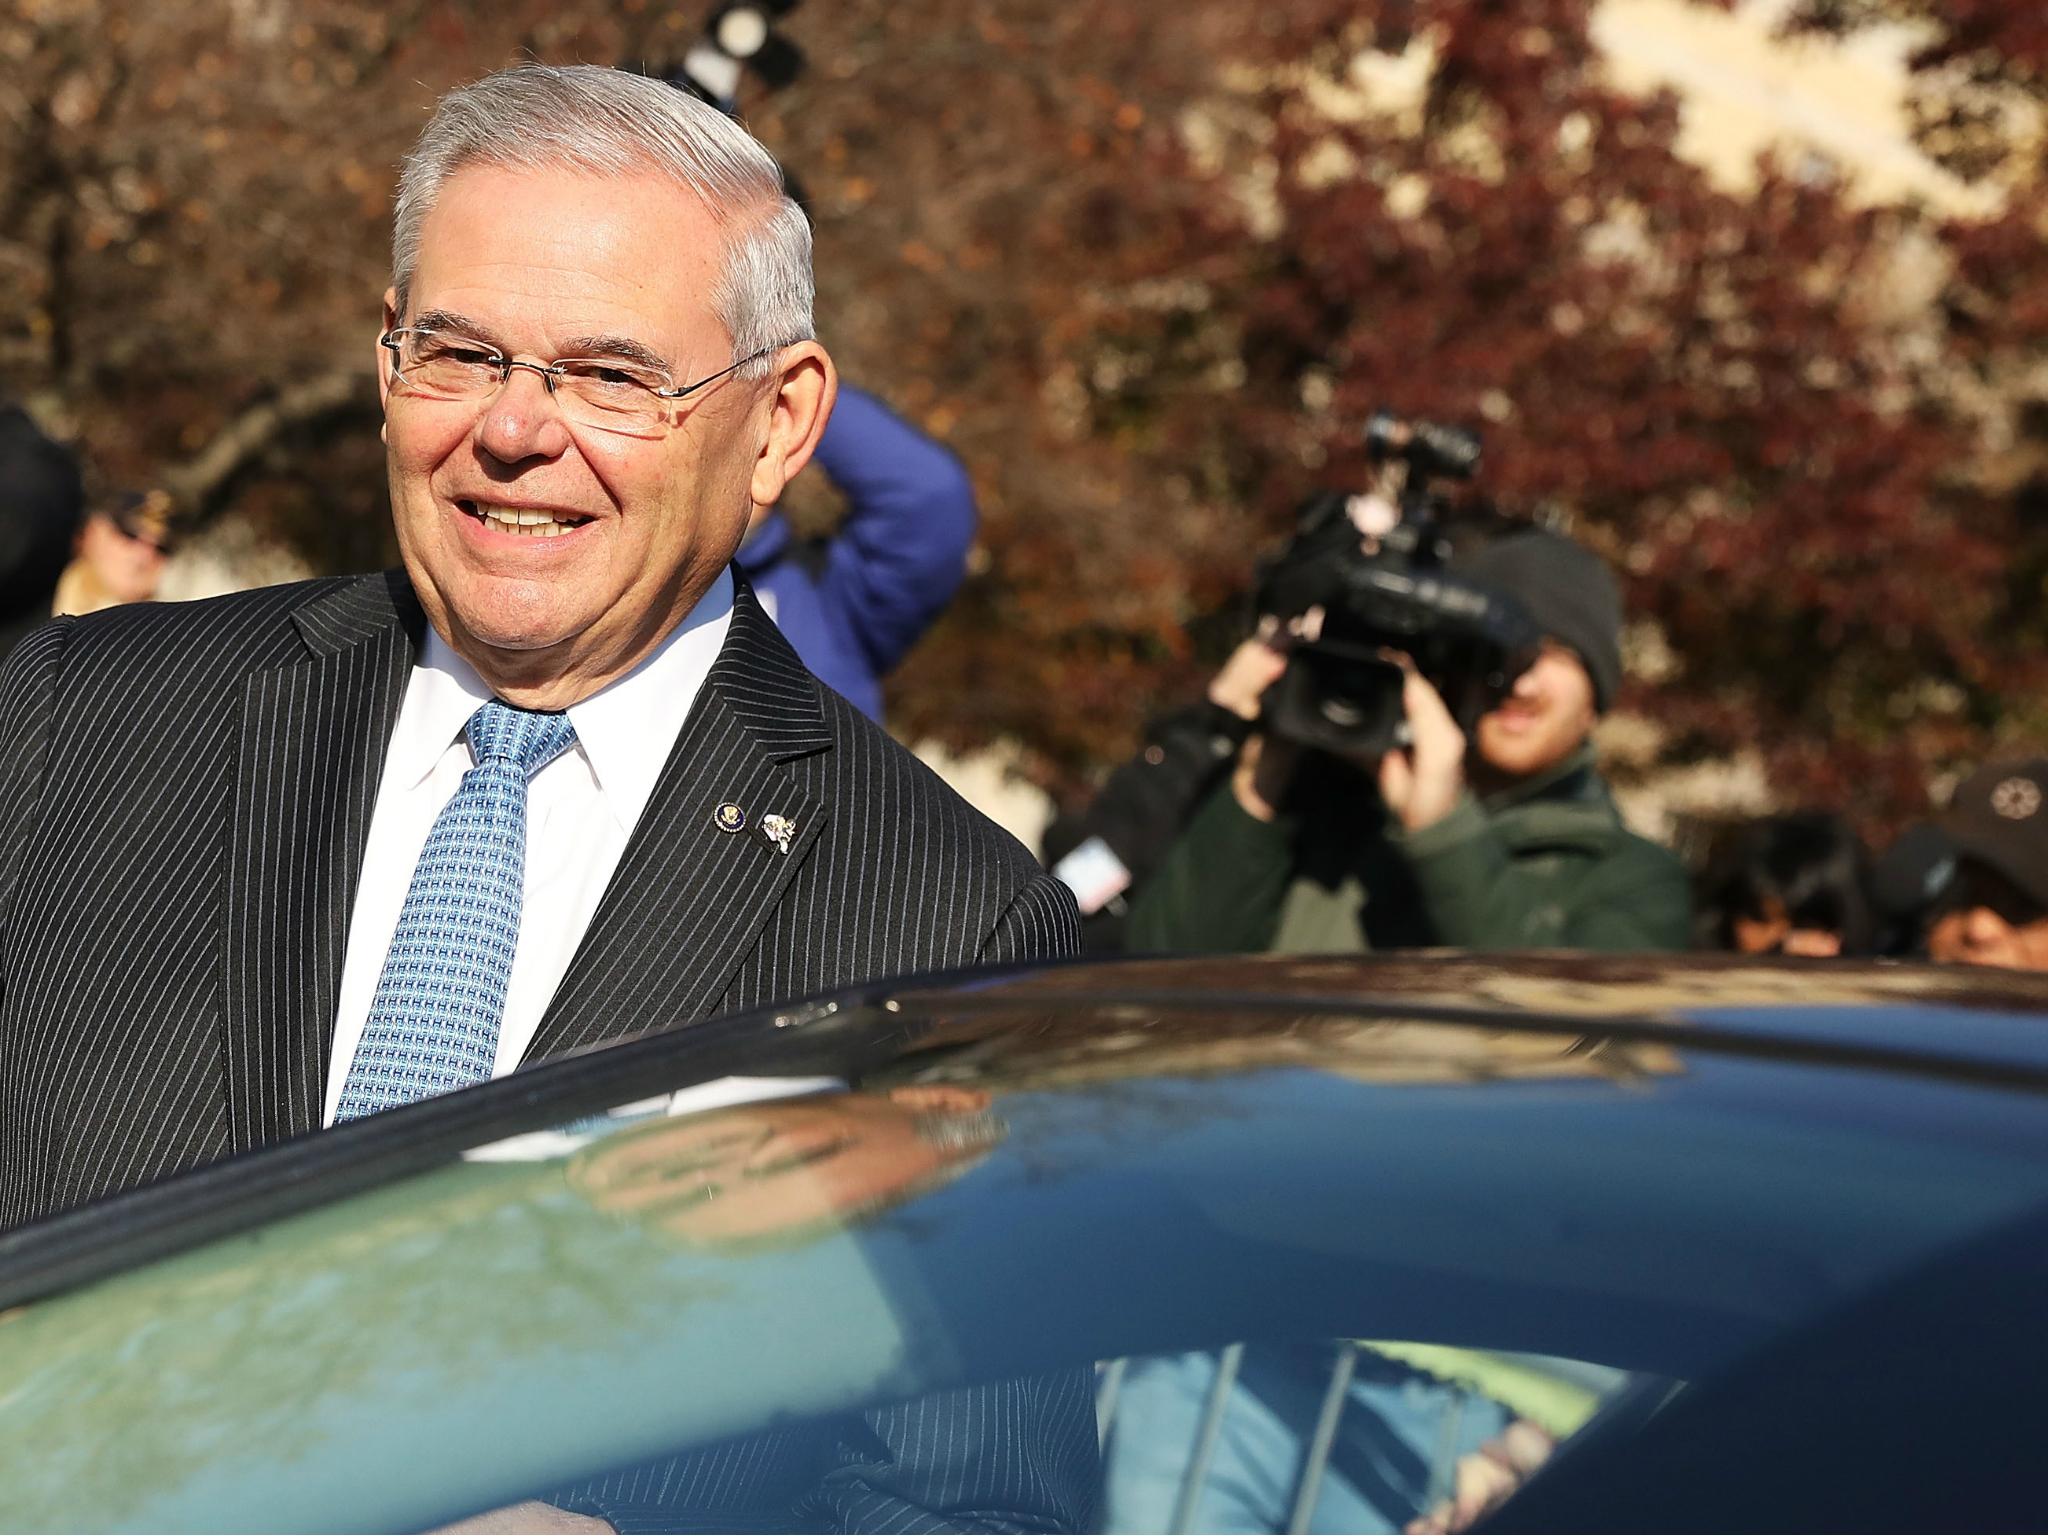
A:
779, 830
730, 818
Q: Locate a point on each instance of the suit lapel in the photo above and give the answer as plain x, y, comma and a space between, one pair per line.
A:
689, 896
307, 767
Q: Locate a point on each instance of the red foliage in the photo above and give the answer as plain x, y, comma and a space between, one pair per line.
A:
1124, 263
1708, 384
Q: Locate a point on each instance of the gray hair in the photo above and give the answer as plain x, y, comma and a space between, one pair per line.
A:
612, 122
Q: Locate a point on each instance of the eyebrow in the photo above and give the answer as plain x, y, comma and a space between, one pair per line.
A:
625, 348
448, 320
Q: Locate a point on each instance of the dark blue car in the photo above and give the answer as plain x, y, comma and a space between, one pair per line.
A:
1538, 1242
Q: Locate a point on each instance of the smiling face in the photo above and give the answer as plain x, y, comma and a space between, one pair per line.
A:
555, 556
1542, 721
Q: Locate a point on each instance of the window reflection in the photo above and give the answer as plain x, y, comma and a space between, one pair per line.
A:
786, 1171
1334, 1436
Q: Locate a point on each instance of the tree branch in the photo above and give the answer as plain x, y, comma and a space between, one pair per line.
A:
200, 479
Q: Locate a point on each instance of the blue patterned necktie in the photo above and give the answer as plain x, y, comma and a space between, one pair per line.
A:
433, 1024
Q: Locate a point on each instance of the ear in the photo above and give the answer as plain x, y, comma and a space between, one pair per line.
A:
383, 364
805, 385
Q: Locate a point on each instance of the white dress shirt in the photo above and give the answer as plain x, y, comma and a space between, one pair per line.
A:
580, 810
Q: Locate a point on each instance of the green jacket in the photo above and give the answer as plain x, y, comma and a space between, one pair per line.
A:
1545, 865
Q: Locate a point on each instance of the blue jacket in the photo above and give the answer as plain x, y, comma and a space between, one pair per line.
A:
855, 604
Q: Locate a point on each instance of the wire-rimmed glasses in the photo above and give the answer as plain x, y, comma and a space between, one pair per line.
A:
613, 394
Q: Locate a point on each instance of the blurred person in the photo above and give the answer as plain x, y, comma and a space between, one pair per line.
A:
1511, 840
120, 555
854, 604
1487, 1478
555, 780
1108, 849
1793, 884
1995, 908
1409, 1414
41, 497
1909, 882
1395, 1421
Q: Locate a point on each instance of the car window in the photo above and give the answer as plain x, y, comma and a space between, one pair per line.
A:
1335, 1434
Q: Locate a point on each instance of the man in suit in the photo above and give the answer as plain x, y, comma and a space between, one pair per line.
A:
308, 852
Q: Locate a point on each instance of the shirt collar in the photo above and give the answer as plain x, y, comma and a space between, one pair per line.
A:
625, 731
443, 693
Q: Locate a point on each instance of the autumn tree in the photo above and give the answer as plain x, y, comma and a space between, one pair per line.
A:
199, 201
1752, 402
1980, 109
196, 204
1148, 272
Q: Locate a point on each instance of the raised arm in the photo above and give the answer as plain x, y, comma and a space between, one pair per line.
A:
901, 550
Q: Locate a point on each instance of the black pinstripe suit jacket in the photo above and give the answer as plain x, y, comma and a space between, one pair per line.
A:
185, 794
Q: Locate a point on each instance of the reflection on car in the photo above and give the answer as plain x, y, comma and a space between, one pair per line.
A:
1247, 1244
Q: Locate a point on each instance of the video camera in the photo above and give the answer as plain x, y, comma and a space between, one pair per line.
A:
1374, 563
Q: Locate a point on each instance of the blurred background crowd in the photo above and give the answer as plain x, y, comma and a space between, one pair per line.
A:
1498, 473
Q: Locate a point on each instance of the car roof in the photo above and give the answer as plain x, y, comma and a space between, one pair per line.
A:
1943, 1020
1225, 1013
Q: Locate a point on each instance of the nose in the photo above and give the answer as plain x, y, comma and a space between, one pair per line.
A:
1982, 926
522, 421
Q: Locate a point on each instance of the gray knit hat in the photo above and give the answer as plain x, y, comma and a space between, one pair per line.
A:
1568, 590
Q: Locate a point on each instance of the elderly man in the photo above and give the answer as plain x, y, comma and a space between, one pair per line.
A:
303, 854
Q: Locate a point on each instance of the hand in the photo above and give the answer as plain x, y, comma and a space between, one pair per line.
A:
532, 1515
1253, 668
1422, 781
1264, 766
1486, 1477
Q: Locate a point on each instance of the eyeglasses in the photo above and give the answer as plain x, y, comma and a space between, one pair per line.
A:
156, 544
147, 518
610, 393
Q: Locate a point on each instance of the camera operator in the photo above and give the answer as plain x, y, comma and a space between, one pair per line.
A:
1508, 839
